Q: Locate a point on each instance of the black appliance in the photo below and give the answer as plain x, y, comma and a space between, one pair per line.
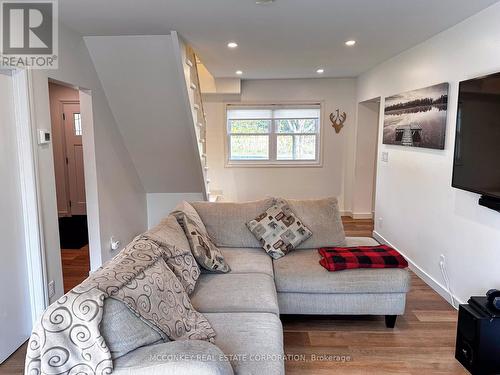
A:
478, 337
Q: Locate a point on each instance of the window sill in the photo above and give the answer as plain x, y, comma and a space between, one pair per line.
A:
271, 164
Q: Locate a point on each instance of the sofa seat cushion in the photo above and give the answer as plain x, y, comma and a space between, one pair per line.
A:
248, 260
185, 357
253, 342
250, 292
360, 241
300, 272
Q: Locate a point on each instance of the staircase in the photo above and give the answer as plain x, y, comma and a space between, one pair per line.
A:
152, 86
190, 63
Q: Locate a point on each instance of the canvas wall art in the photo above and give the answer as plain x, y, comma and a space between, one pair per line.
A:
417, 118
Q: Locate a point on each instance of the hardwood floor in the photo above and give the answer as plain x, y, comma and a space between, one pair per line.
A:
421, 343
75, 266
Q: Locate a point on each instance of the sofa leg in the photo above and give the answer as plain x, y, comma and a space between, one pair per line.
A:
390, 321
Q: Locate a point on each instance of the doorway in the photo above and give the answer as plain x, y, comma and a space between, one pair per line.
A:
67, 144
366, 159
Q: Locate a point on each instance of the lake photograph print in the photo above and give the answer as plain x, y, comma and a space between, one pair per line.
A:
417, 118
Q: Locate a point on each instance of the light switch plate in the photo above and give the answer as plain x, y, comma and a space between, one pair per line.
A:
44, 136
385, 156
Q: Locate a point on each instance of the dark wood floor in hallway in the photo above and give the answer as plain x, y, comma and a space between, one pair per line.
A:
422, 342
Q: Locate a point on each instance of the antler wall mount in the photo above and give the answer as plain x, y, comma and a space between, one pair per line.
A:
338, 120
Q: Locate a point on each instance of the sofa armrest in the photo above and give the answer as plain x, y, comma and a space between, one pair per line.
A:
175, 358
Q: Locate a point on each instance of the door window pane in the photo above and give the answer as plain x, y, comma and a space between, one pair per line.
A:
77, 122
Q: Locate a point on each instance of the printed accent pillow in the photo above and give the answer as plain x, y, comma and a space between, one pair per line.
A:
204, 250
279, 230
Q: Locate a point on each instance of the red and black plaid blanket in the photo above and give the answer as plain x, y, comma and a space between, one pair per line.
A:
342, 258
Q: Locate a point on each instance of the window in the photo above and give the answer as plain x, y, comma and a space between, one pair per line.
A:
276, 135
77, 123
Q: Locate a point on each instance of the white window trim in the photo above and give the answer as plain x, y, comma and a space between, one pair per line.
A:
272, 162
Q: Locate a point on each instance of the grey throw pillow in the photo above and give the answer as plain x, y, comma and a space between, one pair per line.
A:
279, 230
204, 250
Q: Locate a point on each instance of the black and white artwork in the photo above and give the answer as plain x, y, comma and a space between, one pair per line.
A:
417, 118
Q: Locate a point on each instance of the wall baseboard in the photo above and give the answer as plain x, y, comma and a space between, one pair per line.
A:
357, 215
428, 279
362, 215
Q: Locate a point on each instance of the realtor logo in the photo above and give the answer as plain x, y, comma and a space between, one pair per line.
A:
29, 34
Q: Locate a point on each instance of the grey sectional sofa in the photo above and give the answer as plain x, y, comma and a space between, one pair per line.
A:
244, 305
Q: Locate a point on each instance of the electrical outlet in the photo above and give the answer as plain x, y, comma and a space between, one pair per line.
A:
114, 244
52, 288
380, 222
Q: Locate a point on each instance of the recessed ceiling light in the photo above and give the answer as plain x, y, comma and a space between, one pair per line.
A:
232, 45
263, 2
320, 71
350, 43
239, 72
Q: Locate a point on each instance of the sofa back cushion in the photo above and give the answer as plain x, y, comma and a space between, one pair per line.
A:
226, 221
322, 217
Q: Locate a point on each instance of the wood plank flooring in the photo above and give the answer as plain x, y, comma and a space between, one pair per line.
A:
421, 343
75, 266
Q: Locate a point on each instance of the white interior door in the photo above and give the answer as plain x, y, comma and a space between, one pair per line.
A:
74, 154
15, 310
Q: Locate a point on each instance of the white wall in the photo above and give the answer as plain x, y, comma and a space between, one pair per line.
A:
334, 178
121, 199
161, 204
422, 215
144, 88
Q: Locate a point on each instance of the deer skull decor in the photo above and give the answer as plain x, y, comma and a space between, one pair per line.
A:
338, 120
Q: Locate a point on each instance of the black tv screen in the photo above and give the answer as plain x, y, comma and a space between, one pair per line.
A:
477, 143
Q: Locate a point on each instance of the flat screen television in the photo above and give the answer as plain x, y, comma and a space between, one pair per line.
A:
477, 144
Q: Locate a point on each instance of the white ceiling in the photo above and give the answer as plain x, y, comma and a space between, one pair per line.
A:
285, 39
